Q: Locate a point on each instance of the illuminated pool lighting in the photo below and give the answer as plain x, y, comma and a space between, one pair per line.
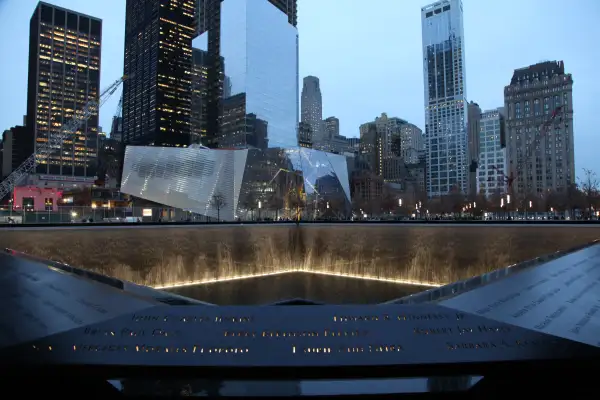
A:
291, 271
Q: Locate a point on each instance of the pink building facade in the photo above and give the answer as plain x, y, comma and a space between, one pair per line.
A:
33, 198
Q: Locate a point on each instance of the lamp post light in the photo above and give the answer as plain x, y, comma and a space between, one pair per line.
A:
399, 202
259, 208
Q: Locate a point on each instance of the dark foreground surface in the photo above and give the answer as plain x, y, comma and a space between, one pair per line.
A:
318, 288
535, 331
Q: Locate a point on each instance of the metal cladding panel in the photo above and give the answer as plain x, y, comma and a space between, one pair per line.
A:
560, 298
189, 178
39, 301
186, 178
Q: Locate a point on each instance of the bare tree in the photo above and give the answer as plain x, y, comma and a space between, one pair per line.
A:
590, 188
295, 203
218, 202
250, 203
275, 203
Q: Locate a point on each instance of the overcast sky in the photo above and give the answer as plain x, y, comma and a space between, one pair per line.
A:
368, 56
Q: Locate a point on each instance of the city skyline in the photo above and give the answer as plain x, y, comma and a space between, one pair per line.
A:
385, 82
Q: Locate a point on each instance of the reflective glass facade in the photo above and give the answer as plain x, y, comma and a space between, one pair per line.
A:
445, 97
254, 44
275, 182
200, 67
64, 75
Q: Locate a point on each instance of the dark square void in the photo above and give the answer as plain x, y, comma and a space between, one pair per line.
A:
314, 287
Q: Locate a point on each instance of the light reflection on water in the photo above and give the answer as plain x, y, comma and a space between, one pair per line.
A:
319, 288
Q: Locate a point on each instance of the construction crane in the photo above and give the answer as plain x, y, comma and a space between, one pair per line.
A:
510, 179
55, 139
105, 166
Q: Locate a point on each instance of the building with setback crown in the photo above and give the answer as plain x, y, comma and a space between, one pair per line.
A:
539, 123
157, 94
445, 97
63, 76
312, 110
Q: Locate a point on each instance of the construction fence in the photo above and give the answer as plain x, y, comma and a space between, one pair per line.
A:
78, 214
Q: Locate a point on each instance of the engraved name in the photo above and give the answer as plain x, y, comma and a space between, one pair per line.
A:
461, 330
371, 348
192, 318
401, 317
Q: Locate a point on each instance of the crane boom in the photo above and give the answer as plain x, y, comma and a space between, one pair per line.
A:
55, 140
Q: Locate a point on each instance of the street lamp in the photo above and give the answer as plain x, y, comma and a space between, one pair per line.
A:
400, 202
259, 207
508, 199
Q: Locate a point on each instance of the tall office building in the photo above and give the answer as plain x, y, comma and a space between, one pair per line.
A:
312, 109
353, 144
332, 127
492, 153
473, 135
200, 67
540, 146
254, 43
64, 75
411, 143
207, 11
17, 146
381, 144
445, 97
157, 94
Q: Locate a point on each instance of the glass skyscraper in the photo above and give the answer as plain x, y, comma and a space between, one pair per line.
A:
254, 43
445, 97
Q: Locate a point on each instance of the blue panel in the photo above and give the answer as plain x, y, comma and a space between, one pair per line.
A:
272, 83
317, 165
234, 43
